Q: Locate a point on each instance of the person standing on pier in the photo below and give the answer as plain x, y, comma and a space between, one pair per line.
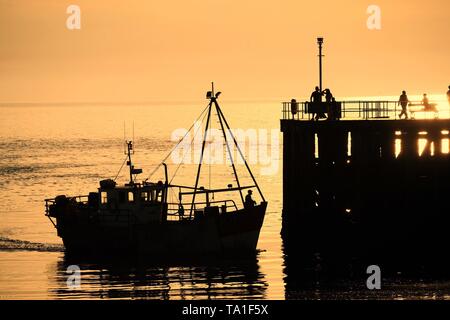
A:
425, 101
294, 108
403, 101
316, 98
427, 106
329, 99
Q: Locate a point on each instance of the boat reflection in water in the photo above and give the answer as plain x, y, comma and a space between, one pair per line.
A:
136, 278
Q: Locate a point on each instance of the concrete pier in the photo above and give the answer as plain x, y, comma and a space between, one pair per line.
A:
366, 184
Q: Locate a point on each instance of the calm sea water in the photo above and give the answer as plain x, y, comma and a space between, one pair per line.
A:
66, 149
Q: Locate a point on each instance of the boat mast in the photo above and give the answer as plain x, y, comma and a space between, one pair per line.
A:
133, 170
223, 123
221, 116
202, 153
214, 100
129, 163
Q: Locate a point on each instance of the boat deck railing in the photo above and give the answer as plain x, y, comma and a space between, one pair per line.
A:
357, 110
173, 212
78, 199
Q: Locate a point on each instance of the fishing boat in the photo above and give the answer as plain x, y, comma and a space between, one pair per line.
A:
137, 216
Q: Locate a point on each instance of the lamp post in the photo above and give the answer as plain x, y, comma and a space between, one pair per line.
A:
320, 42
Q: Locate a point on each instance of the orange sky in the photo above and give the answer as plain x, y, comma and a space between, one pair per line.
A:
146, 50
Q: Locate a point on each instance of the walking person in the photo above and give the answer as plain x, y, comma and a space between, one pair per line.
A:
403, 101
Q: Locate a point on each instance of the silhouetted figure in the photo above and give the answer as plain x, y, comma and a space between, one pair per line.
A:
425, 100
158, 190
329, 99
448, 95
294, 108
403, 101
249, 202
181, 210
316, 97
427, 105
334, 109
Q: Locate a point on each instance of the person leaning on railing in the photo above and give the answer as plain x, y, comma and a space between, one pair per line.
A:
294, 108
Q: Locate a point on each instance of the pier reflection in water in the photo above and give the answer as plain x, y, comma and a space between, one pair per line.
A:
168, 280
311, 275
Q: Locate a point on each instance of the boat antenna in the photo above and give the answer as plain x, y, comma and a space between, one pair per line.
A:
128, 150
133, 170
129, 162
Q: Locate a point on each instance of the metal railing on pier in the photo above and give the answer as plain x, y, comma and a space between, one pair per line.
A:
354, 110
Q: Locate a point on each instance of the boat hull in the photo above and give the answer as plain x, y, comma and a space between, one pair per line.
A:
233, 232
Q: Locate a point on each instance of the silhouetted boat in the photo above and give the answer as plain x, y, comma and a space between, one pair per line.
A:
136, 217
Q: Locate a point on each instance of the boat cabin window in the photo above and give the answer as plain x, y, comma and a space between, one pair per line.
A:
104, 197
130, 196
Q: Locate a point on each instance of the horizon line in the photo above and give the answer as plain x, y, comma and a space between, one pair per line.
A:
187, 101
